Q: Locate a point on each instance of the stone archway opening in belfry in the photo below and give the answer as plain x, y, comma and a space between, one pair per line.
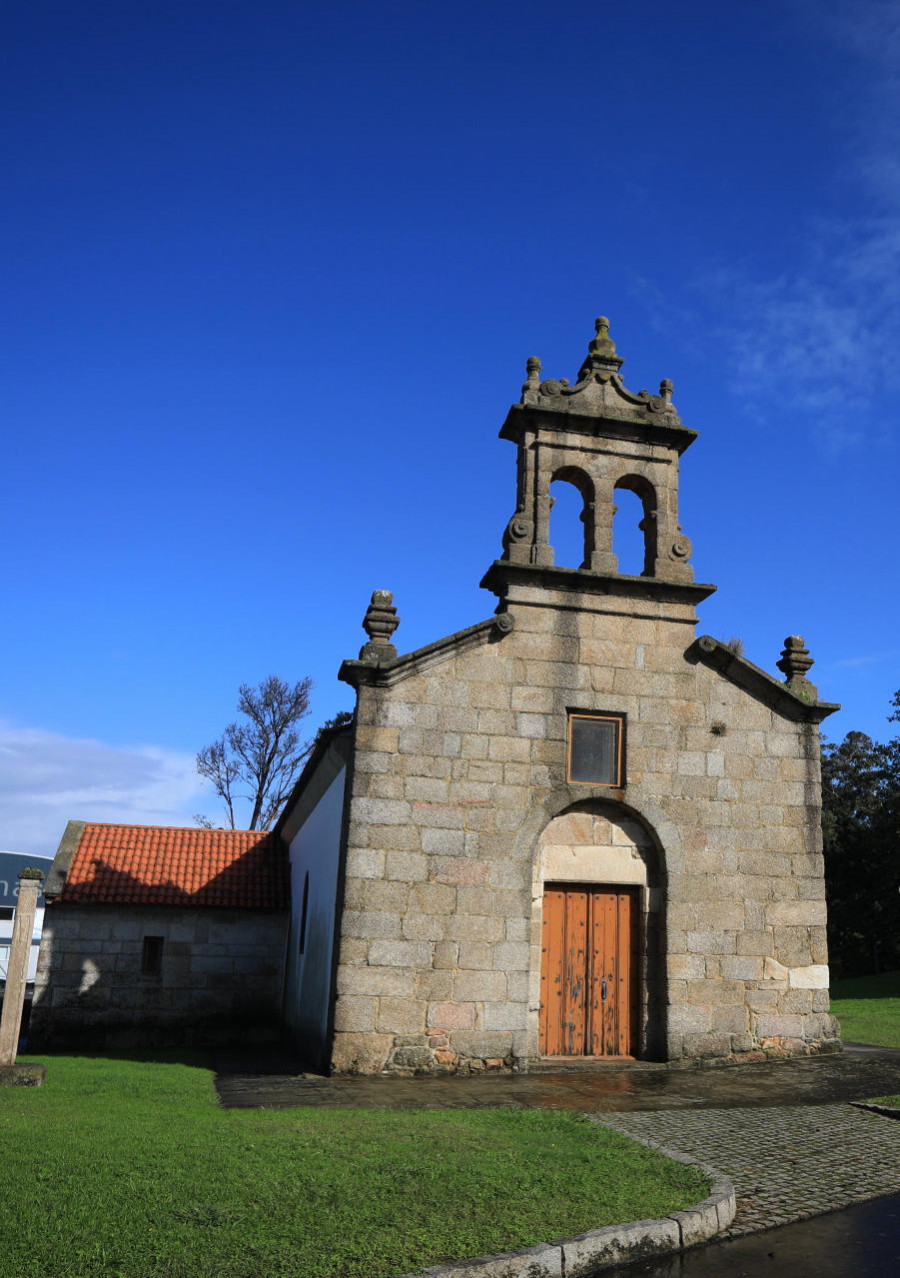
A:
571, 518
598, 912
634, 526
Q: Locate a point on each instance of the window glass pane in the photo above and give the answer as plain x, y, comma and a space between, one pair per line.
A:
595, 751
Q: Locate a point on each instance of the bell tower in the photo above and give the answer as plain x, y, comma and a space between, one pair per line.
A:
602, 438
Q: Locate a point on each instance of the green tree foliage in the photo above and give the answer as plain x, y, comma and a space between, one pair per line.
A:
861, 829
342, 718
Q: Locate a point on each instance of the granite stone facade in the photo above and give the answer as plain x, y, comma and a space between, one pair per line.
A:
219, 977
461, 808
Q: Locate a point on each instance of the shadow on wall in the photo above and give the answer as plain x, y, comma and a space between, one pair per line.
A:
119, 971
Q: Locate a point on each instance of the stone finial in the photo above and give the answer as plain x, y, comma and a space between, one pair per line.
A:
795, 661
602, 355
379, 623
665, 390
602, 343
532, 385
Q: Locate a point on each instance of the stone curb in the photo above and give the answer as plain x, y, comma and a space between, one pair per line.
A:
583, 1255
886, 1111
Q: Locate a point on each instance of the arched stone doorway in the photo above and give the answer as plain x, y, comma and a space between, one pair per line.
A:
597, 901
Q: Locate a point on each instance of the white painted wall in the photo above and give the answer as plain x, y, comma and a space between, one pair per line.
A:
314, 833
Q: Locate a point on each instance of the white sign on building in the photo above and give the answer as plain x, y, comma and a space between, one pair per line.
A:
10, 865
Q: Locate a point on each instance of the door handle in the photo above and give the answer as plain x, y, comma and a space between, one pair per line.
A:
603, 990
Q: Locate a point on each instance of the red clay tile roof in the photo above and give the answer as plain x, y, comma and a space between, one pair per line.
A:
159, 865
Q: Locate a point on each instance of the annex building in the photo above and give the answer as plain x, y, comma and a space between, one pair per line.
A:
156, 936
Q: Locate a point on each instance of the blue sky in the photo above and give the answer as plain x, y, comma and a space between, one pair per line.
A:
272, 273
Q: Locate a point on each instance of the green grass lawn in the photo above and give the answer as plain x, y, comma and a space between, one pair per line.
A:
129, 1169
868, 1008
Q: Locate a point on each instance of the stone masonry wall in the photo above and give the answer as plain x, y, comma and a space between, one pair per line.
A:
461, 766
221, 976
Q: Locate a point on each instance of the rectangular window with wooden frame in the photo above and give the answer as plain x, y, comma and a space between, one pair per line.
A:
596, 753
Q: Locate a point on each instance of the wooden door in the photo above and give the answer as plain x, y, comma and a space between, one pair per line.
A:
589, 965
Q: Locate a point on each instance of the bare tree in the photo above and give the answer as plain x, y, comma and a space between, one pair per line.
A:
257, 762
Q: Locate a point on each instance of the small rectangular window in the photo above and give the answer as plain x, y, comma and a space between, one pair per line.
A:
596, 744
151, 957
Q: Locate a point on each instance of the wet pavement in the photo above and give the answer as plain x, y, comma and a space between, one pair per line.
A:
859, 1242
254, 1079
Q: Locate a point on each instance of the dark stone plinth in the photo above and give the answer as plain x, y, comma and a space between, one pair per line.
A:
23, 1074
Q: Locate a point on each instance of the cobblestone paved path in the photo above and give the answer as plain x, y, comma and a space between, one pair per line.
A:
786, 1163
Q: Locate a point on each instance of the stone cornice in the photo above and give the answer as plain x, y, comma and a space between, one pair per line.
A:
644, 429
766, 688
383, 674
502, 574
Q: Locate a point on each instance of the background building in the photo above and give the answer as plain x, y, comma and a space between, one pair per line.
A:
10, 865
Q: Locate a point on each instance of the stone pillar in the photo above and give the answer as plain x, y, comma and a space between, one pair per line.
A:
17, 970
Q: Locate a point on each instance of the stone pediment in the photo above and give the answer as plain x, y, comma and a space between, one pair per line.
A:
796, 698
599, 393
603, 394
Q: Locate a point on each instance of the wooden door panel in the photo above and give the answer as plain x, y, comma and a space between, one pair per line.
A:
590, 936
622, 1039
552, 988
607, 903
575, 976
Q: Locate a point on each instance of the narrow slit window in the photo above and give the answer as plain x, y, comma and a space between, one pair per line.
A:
151, 956
304, 910
595, 749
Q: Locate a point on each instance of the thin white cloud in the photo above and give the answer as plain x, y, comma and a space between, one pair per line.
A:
47, 779
871, 29
822, 337
867, 659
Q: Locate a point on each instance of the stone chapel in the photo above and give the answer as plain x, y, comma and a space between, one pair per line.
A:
573, 830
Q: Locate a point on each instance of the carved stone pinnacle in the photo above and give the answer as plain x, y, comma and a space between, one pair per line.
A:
379, 623
602, 357
533, 367
795, 661
602, 343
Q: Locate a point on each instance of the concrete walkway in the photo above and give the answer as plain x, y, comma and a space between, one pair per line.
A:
783, 1132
